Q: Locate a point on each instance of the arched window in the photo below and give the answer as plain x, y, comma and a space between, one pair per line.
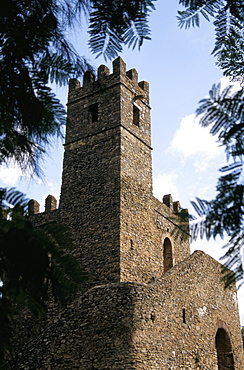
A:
224, 350
167, 254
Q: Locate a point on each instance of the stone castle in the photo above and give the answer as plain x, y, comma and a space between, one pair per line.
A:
148, 303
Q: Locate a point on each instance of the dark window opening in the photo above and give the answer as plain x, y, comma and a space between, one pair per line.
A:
197, 360
224, 350
93, 113
184, 316
136, 115
167, 255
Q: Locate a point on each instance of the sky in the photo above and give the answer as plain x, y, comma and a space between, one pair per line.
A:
180, 69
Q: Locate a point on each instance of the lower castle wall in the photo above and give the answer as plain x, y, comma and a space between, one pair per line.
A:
164, 340
132, 326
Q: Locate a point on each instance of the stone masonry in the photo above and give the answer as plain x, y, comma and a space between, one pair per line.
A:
148, 303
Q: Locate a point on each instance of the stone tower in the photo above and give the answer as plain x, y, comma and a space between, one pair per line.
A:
148, 303
106, 190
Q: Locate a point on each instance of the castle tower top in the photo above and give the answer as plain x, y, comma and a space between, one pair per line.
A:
104, 76
108, 101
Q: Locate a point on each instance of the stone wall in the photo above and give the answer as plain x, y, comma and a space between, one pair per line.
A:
169, 324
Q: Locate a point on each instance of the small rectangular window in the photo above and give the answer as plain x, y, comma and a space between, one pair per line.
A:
93, 113
136, 115
184, 316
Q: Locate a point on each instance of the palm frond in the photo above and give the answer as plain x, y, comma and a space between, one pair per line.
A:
34, 52
190, 17
108, 34
223, 216
224, 112
229, 42
229, 30
14, 198
201, 206
137, 33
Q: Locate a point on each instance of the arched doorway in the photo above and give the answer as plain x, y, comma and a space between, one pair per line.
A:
224, 350
167, 255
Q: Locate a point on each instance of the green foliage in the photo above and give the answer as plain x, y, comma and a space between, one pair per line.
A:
223, 112
34, 262
228, 18
35, 51
229, 45
108, 33
190, 17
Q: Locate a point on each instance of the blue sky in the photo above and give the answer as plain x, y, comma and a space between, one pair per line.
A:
180, 69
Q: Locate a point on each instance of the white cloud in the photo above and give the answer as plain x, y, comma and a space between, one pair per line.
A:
10, 175
191, 141
166, 184
34, 187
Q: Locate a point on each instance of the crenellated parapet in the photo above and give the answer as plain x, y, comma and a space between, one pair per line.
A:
50, 203
106, 79
108, 101
173, 205
34, 206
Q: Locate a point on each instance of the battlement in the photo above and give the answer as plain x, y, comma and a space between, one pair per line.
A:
107, 101
34, 206
105, 79
173, 205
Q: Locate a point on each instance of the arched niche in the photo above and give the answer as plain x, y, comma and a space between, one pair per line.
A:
224, 350
167, 255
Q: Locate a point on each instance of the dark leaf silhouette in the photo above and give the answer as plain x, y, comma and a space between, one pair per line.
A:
224, 215
228, 20
33, 262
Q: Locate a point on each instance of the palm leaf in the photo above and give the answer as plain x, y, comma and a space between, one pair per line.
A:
108, 34
190, 17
